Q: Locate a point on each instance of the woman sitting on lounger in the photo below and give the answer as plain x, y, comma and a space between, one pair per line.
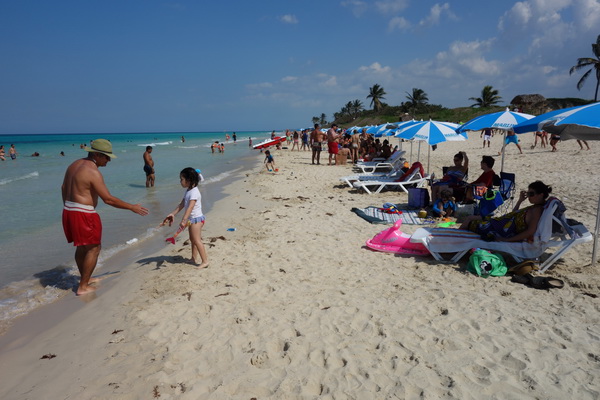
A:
453, 177
519, 225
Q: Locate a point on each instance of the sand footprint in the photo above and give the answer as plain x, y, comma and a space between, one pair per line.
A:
513, 363
259, 359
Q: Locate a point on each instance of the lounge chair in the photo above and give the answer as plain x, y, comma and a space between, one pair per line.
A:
394, 173
414, 178
374, 176
372, 166
554, 230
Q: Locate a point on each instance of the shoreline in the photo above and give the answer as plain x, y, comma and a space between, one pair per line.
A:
294, 306
49, 286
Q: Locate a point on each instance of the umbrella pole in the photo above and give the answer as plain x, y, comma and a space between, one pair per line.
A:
503, 152
594, 251
428, 156
419, 152
411, 143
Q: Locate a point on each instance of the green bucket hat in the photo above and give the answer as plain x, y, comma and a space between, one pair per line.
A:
101, 146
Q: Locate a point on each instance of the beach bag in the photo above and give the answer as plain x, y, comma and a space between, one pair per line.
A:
484, 263
418, 197
489, 202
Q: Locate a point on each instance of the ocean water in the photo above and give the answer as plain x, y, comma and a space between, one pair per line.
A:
36, 262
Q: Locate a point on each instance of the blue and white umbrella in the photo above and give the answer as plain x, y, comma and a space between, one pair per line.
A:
581, 122
376, 130
498, 120
504, 120
537, 123
431, 132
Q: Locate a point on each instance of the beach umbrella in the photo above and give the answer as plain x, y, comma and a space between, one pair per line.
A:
499, 120
504, 120
376, 130
537, 123
395, 129
431, 132
581, 123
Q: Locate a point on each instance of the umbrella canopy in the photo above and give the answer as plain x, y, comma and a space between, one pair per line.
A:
498, 120
576, 123
432, 132
372, 130
537, 123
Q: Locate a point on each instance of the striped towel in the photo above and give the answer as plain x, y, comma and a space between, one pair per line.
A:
376, 216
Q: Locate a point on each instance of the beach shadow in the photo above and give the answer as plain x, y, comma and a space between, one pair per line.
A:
61, 278
58, 277
161, 260
135, 185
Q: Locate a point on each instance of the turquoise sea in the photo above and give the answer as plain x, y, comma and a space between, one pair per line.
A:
36, 261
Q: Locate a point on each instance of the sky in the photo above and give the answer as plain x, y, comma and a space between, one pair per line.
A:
190, 66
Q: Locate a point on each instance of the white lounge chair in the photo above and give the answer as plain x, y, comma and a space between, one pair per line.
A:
396, 172
570, 233
372, 166
373, 176
415, 179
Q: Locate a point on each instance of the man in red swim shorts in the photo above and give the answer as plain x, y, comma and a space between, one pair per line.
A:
82, 185
332, 144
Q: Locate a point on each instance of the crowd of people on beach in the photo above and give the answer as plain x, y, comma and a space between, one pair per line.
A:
448, 192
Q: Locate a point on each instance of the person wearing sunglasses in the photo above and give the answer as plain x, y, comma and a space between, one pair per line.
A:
518, 225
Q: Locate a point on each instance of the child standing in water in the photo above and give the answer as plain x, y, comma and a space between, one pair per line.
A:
192, 216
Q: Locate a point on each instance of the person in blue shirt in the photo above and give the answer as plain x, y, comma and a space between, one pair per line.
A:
269, 161
444, 206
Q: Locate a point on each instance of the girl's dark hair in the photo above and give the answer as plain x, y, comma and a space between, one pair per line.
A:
459, 156
541, 187
190, 175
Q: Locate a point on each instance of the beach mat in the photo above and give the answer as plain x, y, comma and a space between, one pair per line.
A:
375, 215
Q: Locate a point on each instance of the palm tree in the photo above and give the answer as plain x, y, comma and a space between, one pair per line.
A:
589, 62
376, 94
323, 119
489, 97
347, 109
417, 99
357, 107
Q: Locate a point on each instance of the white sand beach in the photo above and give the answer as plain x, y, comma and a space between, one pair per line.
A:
293, 306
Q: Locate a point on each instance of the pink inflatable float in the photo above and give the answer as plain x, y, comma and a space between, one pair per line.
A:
393, 240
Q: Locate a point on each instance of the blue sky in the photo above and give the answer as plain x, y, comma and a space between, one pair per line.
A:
136, 66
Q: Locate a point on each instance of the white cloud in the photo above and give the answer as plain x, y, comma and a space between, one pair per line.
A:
289, 19
435, 14
399, 23
358, 7
587, 13
375, 68
391, 6
469, 56
289, 79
